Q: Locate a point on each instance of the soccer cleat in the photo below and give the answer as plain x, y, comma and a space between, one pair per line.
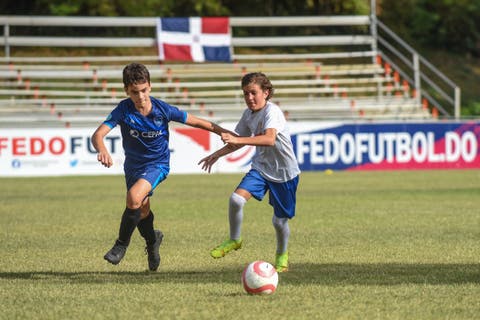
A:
281, 262
153, 252
116, 254
226, 246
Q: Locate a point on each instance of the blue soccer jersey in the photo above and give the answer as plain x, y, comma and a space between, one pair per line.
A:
145, 138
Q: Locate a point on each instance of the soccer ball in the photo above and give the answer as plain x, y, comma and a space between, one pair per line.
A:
260, 277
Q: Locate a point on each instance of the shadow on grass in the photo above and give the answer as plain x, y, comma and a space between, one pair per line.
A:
384, 274
322, 274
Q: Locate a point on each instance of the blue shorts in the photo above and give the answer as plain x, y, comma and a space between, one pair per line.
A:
282, 195
153, 173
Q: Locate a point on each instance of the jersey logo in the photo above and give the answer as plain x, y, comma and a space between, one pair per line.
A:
158, 121
145, 134
134, 133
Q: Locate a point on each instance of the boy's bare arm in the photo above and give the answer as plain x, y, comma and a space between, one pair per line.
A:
197, 122
209, 160
103, 156
266, 139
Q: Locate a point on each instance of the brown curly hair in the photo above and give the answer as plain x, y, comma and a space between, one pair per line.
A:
135, 73
260, 79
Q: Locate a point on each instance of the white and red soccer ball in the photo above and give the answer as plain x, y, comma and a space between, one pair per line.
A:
260, 277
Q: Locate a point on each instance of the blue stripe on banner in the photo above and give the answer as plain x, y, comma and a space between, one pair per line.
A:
176, 24
217, 53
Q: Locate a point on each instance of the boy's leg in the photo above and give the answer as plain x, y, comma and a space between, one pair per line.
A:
235, 215
153, 239
235, 218
282, 231
283, 201
145, 227
253, 184
154, 175
130, 219
136, 195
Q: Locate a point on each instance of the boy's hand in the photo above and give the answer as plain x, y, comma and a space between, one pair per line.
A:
229, 138
105, 159
208, 162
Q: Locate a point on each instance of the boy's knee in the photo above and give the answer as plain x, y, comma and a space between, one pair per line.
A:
237, 200
279, 222
134, 202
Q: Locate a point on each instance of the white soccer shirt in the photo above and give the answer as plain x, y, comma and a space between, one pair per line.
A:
275, 163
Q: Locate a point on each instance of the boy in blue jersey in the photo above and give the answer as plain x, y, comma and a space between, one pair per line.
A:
144, 126
274, 166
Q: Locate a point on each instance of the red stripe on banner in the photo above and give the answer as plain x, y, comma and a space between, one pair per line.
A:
215, 25
177, 52
201, 137
233, 157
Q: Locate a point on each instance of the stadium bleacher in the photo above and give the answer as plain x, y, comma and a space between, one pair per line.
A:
361, 84
82, 93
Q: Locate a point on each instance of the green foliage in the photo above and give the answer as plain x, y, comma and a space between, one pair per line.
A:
442, 24
299, 8
109, 8
471, 109
364, 245
185, 7
64, 8
446, 32
448, 25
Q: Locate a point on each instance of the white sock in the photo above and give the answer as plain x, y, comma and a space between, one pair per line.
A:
282, 230
235, 215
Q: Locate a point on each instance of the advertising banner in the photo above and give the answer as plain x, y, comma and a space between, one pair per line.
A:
52, 152
317, 145
55, 152
387, 146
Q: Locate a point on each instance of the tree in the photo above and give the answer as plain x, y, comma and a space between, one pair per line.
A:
442, 24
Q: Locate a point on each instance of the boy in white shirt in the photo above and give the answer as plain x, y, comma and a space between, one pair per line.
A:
274, 166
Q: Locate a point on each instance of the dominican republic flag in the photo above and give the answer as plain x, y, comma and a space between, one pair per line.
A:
194, 39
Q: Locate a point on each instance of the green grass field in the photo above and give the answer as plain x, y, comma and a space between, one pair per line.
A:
364, 245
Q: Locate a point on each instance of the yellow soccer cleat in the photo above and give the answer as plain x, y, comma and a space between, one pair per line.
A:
224, 248
281, 262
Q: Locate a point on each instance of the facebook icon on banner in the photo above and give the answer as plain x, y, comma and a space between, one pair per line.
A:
194, 39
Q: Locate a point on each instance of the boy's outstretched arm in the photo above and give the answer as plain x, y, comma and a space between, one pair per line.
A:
209, 160
267, 138
197, 122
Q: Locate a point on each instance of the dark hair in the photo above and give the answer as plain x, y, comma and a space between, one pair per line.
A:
260, 79
135, 73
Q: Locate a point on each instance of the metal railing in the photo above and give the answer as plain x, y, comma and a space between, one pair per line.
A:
430, 85
8, 40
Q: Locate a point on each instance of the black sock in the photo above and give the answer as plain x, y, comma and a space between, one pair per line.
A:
145, 226
130, 219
